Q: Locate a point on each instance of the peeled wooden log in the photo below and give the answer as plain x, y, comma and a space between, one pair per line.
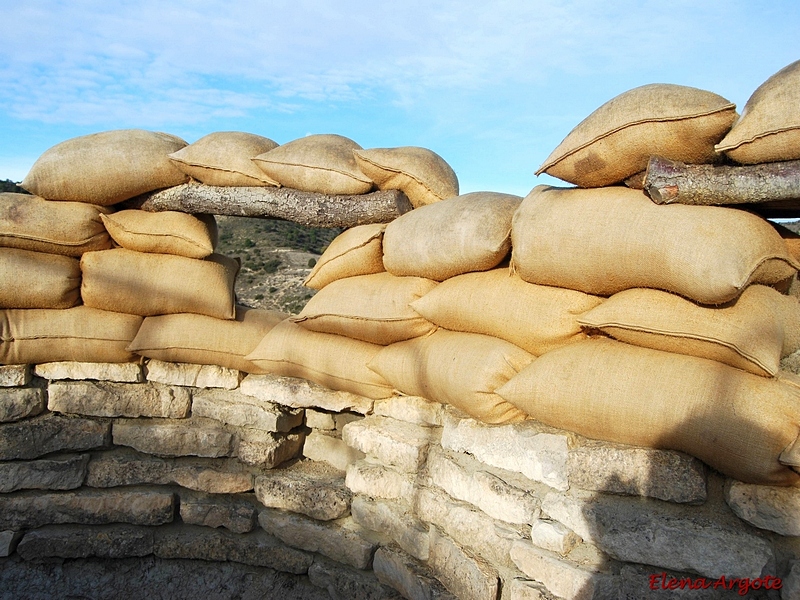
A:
305, 208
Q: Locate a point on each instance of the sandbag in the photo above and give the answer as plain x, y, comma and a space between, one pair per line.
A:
33, 223
373, 308
156, 284
356, 251
38, 280
462, 369
202, 340
167, 232
606, 240
769, 128
321, 163
737, 422
616, 141
421, 174
106, 168
225, 158
458, 235
80, 334
536, 318
333, 361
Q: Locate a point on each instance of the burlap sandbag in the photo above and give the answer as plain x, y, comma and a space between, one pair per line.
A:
157, 284
421, 174
106, 168
606, 240
458, 235
617, 139
80, 334
38, 280
356, 251
333, 361
321, 163
225, 158
202, 340
167, 232
737, 422
536, 318
462, 369
769, 127
69, 228
373, 308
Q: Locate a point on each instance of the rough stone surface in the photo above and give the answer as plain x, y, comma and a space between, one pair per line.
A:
411, 578
8, 542
190, 375
791, 583
342, 419
378, 481
61, 473
27, 510
662, 474
341, 540
561, 577
81, 541
189, 437
528, 448
299, 393
467, 576
767, 507
334, 451
235, 514
15, 375
51, 433
524, 589
392, 442
344, 583
413, 409
241, 410
119, 372
107, 399
394, 520
317, 419
266, 449
20, 403
553, 536
316, 491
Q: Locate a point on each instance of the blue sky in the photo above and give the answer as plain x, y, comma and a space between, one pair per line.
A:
491, 87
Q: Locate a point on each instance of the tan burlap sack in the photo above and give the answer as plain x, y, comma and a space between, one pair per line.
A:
167, 232
38, 280
202, 340
106, 168
606, 240
617, 139
33, 223
462, 369
746, 333
225, 158
458, 235
356, 251
737, 422
419, 173
316, 163
79, 334
769, 128
536, 318
333, 361
373, 308
157, 284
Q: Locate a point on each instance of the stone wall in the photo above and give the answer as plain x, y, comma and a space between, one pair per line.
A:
168, 480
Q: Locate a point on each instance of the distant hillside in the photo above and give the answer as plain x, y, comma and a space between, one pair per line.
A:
7, 185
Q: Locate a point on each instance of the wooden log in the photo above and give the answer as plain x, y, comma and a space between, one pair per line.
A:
305, 208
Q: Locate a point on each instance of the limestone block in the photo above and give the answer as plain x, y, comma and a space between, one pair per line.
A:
345, 583
61, 473
391, 442
326, 448
8, 542
553, 536
315, 490
395, 520
190, 375
560, 576
529, 448
48, 433
235, 514
15, 375
27, 510
240, 410
342, 540
256, 548
20, 403
343, 418
791, 583
187, 437
108, 399
118, 372
524, 589
299, 393
465, 575
80, 541
378, 481
266, 449
767, 507
413, 409
411, 578
620, 469
317, 419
